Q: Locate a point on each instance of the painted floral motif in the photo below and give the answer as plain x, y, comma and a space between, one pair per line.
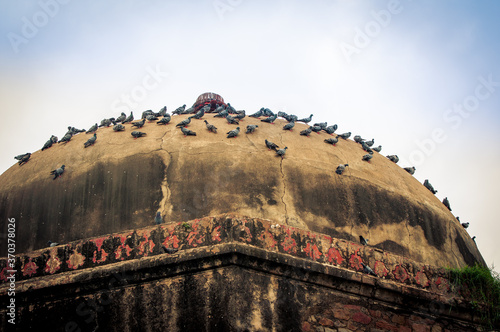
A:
312, 251
29, 268
380, 269
268, 240
334, 256
216, 234
400, 273
53, 264
355, 261
75, 260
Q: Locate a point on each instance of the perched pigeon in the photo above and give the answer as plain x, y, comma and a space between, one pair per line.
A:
332, 140
52, 244
271, 146
291, 118
323, 125
363, 241
200, 113
21, 156
139, 124
222, 114
251, 128
151, 117
366, 147
270, 119
107, 122
370, 143
220, 109
145, 114
93, 129
316, 129
368, 270
394, 158
118, 127
233, 133
187, 132
282, 114
137, 134
211, 127
121, 118
189, 110
58, 172
129, 118
331, 129
232, 120
474, 239
367, 157
306, 132
465, 225
306, 120
289, 126
66, 138
429, 186
357, 139
345, 135
267, 112
446, 203
410, 170
378, 148
47, 144
163, 111
341, 168
170, 250
24, 158
179, 110
231, 109
158, 219
256, 114
184, 122
281, 152
165, 120
53, 138
240, 115
90, 141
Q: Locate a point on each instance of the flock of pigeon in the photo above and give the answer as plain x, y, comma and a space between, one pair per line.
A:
232, 116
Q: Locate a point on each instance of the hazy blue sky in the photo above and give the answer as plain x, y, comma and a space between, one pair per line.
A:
421, 77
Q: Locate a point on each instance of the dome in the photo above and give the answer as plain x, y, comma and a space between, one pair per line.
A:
208, 98
121, 182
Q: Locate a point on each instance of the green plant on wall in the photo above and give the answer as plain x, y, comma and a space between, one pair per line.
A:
481, 286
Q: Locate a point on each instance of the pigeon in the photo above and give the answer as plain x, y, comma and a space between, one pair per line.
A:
163, 111
363, 241
187, 132
139, 124
257, 114
345, 135
271, 145
165, 120
121, 118
222, 114
366, 147
282, 114
316, 129
90, 141
151, 117
58, 172
146, 113
323, 125
341, 168
251, 128
92, 129
47, 144
118, 127
446, 203
24, 158
53, 138
129, 118
306, 132
289, 126
332, 140
394, 158
474, 239
357, 139
331, 129
429, 186
465, 225
267, 112
378, 148
200, 113
240, 115
233, 133
306, 120
368, 270
367, 157
179, 110
137, 134
211, 127
184, 122
66, 138
270, 119
291, 118
158, 218
19, 157
170, 250
189, 110
232, 120
231, 109
52, 244
107, 122
370, 143
281, 152
410, 170
220, 109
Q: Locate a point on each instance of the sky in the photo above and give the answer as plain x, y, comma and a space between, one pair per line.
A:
420, 77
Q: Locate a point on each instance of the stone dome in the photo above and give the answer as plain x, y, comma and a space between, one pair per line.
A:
121, 182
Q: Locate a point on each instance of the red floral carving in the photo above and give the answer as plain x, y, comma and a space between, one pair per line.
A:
380, 269
312, 251
400, 273
268, 239
334, 255
355, 261
216, 234
29, 268
53, 264
422, 279
289, 244
75, 260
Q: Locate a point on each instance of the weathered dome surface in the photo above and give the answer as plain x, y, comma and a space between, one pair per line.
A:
120, 183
